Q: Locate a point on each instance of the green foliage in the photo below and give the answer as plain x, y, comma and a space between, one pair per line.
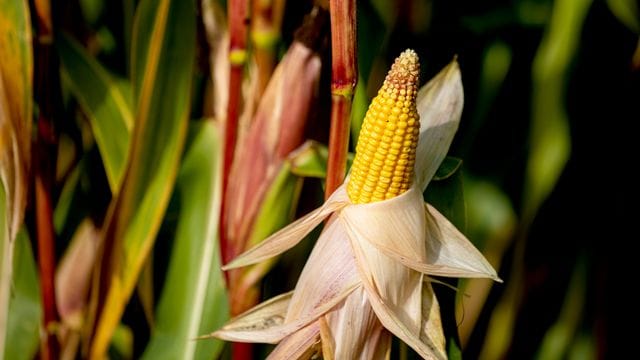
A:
193, 300
107, 105
25, 312
164, 36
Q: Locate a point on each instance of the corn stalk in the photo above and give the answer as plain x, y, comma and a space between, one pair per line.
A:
343, 82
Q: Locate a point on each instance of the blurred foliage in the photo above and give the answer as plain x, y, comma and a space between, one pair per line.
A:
536, 176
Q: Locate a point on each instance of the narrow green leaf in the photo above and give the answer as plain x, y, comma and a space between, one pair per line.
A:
25, 312
278, 206
627, 12
550, 138
105, 100
557, 341
193, 300
448, 167
163, 58
310, 160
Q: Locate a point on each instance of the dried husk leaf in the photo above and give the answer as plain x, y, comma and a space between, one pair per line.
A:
73, 275
218, 38
398, 286
292, 234
277, 129
302, 344
332, 261
263, 317
439, 104
452, 252
266, 323
370, 340
386, 314
432, 332
396, 224
416, 235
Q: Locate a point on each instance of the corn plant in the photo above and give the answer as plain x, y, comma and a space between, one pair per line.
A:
189, 179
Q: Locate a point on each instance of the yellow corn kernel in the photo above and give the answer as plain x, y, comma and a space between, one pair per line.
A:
386, 149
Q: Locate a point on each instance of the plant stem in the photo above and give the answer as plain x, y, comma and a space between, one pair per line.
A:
265, 32
238, 28
343, 82
44, 166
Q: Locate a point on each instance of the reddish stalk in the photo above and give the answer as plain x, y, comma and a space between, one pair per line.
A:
238, 16
46, 238
238, 29
343, 82
44, 167
265, 33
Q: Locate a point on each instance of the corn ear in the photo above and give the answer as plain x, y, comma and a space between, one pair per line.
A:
386, 150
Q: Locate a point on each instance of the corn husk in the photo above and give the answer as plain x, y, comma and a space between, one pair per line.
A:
367, 274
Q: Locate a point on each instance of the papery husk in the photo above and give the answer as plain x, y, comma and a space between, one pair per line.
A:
277, 129
439, 104
392, 245
345, 343
432, 332
289, 236
215, 25
73, 275
331, 260
303, 344
389, 316
263, 317
451, 251
417, 235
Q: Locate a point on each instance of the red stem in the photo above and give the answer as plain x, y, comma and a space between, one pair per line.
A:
338, 142
44, 160
44, 166
238, 30
343, 81
46, 247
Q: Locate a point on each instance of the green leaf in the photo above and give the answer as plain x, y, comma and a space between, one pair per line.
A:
550, 140
25, 312
163, 59
448, 197
107, 103
558, 340
194, 300
310, 160
278, 205
627, 12
448, 167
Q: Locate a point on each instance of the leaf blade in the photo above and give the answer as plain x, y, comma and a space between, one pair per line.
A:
168, 28
194, 284
104, 102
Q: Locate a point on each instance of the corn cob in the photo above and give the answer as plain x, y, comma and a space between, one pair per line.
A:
386, 150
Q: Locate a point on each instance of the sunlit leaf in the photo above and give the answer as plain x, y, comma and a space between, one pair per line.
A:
550, 138
310, 160
193, 300
164, 38
627, 12
106, 102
